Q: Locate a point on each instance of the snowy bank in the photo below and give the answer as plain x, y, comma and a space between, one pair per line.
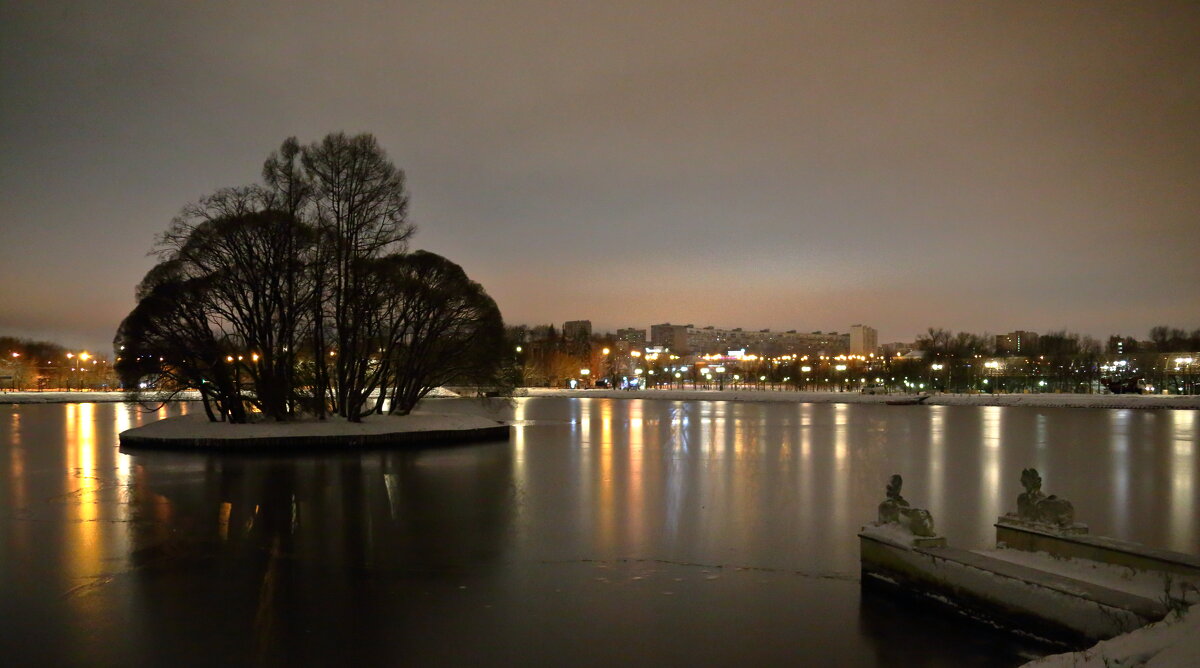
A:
86, 397
195, 431
1172, 643
1038, 400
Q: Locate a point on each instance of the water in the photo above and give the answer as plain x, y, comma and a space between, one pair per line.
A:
605, 532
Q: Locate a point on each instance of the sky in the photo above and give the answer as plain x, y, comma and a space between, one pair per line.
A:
983, 166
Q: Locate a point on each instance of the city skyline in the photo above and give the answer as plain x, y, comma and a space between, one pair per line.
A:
979, 168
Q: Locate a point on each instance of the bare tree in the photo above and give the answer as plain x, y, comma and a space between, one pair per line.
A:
357, 202
443, 329
235, 278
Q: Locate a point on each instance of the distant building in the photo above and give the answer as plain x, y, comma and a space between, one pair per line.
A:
1019, 342
636, 338
671, 336
710, 340
1122, 345
542, 333
864, 340
896, 348
577, 330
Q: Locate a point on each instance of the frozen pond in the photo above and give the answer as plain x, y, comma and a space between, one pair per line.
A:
607, 531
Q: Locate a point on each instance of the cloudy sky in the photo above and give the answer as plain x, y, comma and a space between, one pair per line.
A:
792, 165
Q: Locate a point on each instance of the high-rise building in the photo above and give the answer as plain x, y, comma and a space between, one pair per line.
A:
674, 337
864, 340
705, 340
1019, 342
577, 330
636, 338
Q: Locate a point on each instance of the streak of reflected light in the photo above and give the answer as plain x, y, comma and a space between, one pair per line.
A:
1119, 455
1183, 472
85, 554
518, 436
634, 463
937, 456
841, 471
990, 440
606, 522
124, 461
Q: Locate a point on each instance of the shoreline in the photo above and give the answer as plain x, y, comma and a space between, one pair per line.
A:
1114, 401
85, 397
1118, 401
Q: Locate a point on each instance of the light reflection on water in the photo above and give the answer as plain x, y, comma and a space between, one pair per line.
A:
781, 488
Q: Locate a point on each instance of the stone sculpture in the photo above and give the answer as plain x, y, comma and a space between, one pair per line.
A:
1034, 506
896, 510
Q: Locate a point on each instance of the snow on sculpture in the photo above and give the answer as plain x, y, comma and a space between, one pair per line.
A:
896, 510
1034, 506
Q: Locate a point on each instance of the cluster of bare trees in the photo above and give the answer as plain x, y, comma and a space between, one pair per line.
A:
299, 295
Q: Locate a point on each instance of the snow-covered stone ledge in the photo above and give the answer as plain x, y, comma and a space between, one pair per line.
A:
1171, 643
196, 432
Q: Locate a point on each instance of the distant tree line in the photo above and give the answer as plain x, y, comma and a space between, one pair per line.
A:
299, 295
948, 361
45, 365
549, 358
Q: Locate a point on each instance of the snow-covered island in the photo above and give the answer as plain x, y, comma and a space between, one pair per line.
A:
195, 431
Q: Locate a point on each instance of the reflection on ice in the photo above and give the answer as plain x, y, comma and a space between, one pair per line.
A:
992, 442
585, 489
1183, 474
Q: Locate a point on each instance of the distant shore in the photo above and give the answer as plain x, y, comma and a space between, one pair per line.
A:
1185, 402
1139, 401
85, 397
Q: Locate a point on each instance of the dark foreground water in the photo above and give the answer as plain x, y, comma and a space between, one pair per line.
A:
606, 533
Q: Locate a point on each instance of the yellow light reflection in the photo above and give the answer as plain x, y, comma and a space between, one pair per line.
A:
840, 473
606, 521
635, 460
83, 487
990, 439
1183, 472
518, 434
223, 519
124, 462
937, 458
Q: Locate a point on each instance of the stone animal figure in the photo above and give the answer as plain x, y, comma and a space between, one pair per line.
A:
1034, 506
895, 509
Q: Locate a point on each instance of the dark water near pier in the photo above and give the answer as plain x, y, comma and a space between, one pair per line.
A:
605, 532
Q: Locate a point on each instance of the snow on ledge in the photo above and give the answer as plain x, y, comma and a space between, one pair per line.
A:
96, 397
1190, 401
1171, 643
